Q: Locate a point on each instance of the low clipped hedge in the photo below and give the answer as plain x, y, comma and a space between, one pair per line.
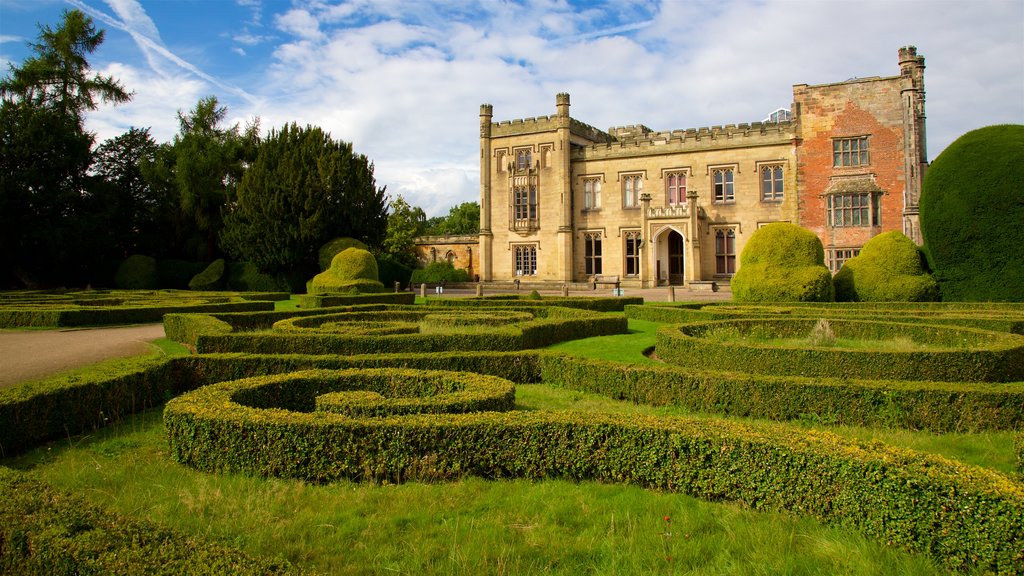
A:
999, 318
379, 392
934, 406
969, 355
332, 300
16, 317
581, 303
965, 517
550, 325
47, 531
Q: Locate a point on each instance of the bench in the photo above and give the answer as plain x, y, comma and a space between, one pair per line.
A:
613, 280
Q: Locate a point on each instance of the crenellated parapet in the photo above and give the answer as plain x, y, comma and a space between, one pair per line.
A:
644, 141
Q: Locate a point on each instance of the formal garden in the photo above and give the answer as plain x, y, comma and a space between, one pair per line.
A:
518, 434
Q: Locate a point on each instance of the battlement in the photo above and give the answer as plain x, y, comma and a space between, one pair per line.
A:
690, 139
631, 132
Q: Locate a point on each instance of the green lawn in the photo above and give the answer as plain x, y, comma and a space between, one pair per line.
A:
480, 526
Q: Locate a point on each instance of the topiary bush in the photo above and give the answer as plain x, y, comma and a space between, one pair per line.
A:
176, 274
888, 269
353, 270
212, 278
440, 271
334, 247
137, 272
391, 270
782, 262
972, 207
245, 277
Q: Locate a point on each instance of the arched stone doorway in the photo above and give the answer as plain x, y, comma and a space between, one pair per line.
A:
670, 259
676, 259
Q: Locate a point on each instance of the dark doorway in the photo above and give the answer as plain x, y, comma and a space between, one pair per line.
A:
676, 259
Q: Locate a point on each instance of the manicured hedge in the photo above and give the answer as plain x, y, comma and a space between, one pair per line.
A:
995, 317
211, 278
551, 325
888, 269
107, 315
352, 270
968, 355
582, 303
935, 406
965, 517
440, 271
47, 531
782, 262
137, 272
332, 300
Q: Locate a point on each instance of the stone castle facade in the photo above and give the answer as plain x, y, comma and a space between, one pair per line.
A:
564, 202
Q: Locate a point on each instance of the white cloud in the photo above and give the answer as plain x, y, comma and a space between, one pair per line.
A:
403, 81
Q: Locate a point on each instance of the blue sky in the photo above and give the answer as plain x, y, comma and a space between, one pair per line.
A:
403, 79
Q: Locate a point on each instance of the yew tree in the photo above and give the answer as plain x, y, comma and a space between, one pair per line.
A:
302, 189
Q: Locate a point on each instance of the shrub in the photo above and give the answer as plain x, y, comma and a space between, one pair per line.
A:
176, 274
212, 278
440, 271
334, 247
782, 262
137, 272
244, 276
972, 206
391, 270
888, 269
352, 270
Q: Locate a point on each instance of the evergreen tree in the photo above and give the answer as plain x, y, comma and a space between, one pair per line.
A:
302, 189
45, 156
461, 219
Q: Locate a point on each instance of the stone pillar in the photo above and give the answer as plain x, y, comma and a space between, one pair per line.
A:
479, 290
486, 166
565, 290
645, 266
423, 290
693, 264
915, 151
671, 293
562, 185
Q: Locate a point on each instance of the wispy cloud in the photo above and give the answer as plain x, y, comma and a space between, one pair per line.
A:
134, 20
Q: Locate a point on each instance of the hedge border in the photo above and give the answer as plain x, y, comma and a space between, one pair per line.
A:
334, 300
965, 517
12, 317
616, 304
1001, 359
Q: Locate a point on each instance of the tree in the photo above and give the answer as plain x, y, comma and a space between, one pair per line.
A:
45, 155
972, 207
58, 76
302, 189
208, 164
405, 223
461, 219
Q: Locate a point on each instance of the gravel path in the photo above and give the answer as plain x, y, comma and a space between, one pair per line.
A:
32, 354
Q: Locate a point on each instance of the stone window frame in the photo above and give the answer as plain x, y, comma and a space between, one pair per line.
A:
597, 179
725, 249
777, 191
838, 255
502, 162
846, 155
524, 202
524, 258
593, 252
629, 180
854, 210
631, 238
666, 175
545, 151
522, 158
728, 195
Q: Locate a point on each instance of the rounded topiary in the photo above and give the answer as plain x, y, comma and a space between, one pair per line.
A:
331, 249
782, 262
352, 270
137, 272
246, 277
176, 274
888, 269
212, 278
972, 207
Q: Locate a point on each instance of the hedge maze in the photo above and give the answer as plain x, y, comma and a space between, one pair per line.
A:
399, 393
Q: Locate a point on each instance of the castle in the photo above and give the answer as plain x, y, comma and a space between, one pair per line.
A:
564, 202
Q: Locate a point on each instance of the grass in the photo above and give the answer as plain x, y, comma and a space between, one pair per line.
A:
476, 526
471, 526
817, 338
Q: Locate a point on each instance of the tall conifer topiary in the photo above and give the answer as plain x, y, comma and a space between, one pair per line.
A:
972, 215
